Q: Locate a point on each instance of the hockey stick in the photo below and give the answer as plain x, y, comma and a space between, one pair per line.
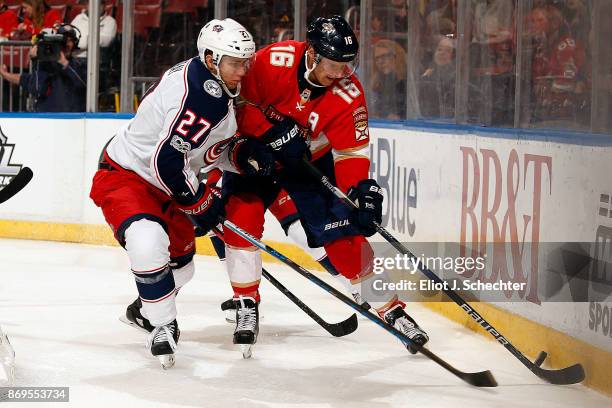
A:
568, 375
479, 379
335, 329
17, 184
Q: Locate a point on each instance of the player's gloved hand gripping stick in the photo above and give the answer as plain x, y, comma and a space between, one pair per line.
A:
568, 375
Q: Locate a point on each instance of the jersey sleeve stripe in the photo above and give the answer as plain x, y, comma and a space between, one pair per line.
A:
176, 117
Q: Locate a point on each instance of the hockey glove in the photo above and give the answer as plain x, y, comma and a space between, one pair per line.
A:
288, 143
207, 211
368, 197
252, 157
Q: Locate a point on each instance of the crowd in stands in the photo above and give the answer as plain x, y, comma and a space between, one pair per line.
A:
413, 51
556, 51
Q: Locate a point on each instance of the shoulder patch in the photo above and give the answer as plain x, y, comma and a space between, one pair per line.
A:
360, 119
213, 88
180, 145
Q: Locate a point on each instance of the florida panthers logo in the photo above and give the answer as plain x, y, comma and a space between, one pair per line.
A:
215, 151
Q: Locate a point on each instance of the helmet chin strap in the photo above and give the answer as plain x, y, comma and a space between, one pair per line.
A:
308, 71
223, 85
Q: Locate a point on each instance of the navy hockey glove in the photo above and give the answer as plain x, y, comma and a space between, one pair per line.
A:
368, 197
288, 143
252, 157
207, 211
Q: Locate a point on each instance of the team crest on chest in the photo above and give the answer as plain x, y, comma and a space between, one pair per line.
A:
213, 88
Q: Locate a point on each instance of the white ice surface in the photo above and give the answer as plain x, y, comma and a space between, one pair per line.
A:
59, 304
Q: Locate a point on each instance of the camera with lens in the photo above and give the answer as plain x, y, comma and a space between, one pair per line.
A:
49, 46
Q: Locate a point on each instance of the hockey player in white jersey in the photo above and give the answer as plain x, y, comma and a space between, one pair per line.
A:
147, 185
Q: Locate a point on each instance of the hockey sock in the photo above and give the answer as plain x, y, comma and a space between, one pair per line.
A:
244, 270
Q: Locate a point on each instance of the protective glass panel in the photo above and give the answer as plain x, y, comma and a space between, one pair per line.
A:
601, 55
491, 61
435, 59
557, 65
268, 21
165, 33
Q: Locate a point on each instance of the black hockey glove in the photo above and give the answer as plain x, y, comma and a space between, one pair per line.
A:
252, 157
368, 197
207, 211
288, 143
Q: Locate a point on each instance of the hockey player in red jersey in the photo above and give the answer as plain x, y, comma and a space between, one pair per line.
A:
302, 99
147, 185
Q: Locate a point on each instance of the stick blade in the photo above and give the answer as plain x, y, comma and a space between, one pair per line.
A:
343, 328
480, 379
565, 376
17, 184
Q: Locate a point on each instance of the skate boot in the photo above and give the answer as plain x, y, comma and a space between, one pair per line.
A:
247, 324
359, 300
162, 342
134, 317
229, 307
398, 318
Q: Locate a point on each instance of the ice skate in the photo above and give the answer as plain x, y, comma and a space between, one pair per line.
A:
247, 324
359, 300
162, 342
133, 317
229, 307
7, 362
398, 318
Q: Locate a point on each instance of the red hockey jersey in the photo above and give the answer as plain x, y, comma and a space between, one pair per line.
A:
336, 116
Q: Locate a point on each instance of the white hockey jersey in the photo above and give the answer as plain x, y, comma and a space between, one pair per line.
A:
184, 123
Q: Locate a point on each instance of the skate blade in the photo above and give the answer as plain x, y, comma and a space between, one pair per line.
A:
247, 350
125, 320
166, 361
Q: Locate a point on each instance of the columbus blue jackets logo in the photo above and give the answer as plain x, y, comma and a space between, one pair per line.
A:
216, 150
8, 170
213, 88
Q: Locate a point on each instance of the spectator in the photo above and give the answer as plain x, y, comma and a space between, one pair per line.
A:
557, 62
108, 30
400, 15
34, 16
377, 25
57, 86
577, 18
441, 17
493, 17
437, 90
388, 81
491, 91
8, 21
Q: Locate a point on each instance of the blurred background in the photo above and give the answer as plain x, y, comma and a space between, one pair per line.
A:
500, 63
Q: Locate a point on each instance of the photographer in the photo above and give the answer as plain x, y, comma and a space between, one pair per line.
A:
58, 81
